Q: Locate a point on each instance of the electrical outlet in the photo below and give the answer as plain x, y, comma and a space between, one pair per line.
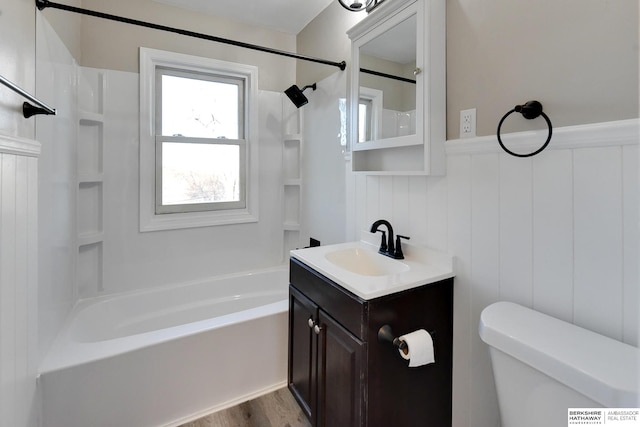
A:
468, 123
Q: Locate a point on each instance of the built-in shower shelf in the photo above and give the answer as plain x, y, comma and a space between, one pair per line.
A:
291, 226
90, 164
88, 118
87, 239
292, 183
293, 137
90, 177
391, 173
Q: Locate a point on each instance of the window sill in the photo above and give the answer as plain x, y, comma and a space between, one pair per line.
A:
177, 221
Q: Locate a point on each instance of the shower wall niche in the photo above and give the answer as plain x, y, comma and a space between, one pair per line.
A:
292, 151
91, 93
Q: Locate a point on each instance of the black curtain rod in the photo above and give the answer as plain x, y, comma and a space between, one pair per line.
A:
389, 76
43, 4
28, 110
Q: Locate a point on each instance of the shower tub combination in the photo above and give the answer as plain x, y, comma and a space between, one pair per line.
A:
166, 356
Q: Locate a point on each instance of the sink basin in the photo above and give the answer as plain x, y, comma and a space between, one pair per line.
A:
359, 268
365, 262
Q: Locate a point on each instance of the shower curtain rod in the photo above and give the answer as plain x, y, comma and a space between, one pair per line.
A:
28, 110
389, 76
43, 4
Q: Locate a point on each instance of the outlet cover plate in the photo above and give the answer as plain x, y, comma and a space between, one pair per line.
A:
468, 123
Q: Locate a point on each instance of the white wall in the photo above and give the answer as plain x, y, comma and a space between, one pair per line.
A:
128, 259
557, 232
106, 44
17, 56
136, 260
57, 83
323, 174
18, 199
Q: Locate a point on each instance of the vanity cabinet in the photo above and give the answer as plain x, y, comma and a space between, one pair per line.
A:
302, 372
342, 376
325, 365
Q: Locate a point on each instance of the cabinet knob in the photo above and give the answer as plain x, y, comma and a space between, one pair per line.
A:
317, 329
417, 71
310, 322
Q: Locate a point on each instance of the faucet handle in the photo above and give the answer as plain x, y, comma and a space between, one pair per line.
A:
397, 254
383, 242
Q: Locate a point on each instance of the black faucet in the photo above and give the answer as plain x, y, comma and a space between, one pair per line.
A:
388, 248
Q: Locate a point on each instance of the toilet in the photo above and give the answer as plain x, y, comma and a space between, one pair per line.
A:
543, 366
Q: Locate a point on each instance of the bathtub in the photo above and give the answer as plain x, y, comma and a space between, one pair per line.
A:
166, 356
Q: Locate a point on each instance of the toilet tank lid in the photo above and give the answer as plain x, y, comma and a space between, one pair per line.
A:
599, 367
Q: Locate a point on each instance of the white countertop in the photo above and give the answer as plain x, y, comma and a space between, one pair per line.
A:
420, 266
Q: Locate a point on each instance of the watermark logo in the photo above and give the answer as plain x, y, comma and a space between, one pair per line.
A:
622, 417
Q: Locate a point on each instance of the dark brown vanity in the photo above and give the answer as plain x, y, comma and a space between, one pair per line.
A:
339, 372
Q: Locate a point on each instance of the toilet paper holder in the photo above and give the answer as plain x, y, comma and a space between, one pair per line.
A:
386, 335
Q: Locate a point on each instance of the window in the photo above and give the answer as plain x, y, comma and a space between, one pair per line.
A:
369, 114
200, 143
197, 141
364, 120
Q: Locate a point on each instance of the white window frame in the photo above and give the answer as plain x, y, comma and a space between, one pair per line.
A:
150, 59
376, 97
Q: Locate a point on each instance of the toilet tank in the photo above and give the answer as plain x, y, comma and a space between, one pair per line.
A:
543, 366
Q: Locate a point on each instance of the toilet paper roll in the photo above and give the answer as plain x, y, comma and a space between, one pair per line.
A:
419, 348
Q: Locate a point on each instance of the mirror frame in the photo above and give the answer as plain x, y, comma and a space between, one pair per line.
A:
380, 21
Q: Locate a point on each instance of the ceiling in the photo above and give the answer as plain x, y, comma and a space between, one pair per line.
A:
289, 16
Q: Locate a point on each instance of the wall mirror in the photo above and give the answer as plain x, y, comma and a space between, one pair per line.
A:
387, 83
396, 100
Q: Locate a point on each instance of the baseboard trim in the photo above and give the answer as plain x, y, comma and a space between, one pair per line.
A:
228, 404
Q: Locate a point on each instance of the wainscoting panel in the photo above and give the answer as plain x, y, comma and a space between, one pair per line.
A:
598, 240
436, 213
557, 232
485, 274
18, 280
418, 223
402, 203
553, 230
516, 234
631, 237
459, 239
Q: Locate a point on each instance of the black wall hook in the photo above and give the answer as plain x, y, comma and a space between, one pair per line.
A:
529, 110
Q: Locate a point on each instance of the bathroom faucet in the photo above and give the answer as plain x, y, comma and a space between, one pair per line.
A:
388, 248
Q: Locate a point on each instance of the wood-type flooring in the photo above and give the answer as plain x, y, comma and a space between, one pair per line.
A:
276, 409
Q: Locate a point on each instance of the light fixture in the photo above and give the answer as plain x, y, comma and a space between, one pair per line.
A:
358, 5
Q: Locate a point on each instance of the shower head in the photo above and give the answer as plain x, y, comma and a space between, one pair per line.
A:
296, 96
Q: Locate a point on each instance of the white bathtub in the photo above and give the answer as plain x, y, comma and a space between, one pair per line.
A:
167, 356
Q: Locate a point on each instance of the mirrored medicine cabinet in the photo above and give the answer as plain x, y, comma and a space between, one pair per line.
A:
397, 89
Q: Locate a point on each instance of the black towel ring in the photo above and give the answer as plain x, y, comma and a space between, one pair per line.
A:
530, 110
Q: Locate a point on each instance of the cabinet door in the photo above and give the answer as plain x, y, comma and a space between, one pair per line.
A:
341, 376
302, 370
